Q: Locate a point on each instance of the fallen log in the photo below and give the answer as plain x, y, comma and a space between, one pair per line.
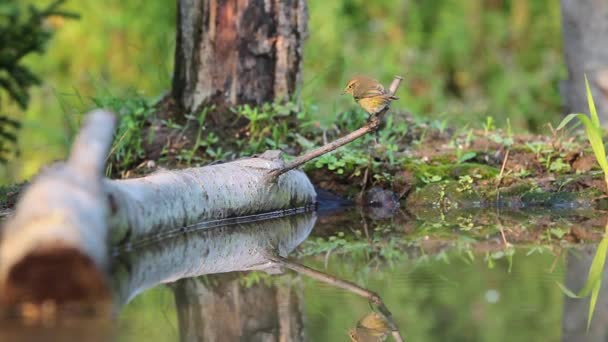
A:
70, 214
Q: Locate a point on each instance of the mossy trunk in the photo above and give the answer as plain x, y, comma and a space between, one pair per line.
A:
235, 52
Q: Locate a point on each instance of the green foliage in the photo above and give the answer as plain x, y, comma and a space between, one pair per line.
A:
499, 58
127, 148
23, 31
272, 125
593, 129
346, 161
594, 132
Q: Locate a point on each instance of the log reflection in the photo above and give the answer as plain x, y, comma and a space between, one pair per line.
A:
238, 247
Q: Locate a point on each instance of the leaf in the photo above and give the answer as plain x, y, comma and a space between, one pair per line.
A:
594, 134
594, 118
467, 156
593, 301
594, 279
567, 120
597, 266
567, 291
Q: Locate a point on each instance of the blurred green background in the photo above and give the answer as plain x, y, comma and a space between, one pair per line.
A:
463, 60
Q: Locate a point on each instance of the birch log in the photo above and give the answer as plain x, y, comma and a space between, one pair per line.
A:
69, 214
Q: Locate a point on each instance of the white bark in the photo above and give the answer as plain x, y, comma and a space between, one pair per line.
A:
71, 207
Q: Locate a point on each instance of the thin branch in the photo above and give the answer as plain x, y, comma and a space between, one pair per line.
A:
371, 126
373, 297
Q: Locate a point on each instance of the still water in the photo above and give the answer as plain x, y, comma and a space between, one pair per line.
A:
221, 284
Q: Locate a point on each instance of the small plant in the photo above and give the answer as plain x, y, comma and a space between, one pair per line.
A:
269, 125
127, 148
489, 125
593, 130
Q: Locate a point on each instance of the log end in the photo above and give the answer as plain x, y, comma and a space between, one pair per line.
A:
58, 274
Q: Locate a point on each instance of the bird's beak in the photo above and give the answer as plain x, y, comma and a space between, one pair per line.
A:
343, 92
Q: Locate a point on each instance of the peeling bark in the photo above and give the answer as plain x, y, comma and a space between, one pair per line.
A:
235, 52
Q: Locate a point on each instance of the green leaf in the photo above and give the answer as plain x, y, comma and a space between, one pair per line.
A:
597, 266
593, 301
594, 134
567, 291
594, 279
567, 120
594, 118
467, 156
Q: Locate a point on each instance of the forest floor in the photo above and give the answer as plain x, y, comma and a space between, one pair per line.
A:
421, 177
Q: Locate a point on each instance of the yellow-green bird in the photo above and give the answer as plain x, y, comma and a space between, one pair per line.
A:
369, 94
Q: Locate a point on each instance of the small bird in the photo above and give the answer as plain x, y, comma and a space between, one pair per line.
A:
369, 94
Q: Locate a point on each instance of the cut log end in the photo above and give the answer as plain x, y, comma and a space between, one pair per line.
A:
59, 274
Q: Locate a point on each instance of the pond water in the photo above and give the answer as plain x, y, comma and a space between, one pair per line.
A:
456, 282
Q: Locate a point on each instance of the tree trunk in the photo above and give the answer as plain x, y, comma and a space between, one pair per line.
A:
233, 52
585, 34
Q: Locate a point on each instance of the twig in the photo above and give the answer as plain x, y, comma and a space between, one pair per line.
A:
373, 297
501, 174
371, 126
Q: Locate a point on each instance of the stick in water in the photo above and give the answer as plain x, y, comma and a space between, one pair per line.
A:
373, 297
371, 126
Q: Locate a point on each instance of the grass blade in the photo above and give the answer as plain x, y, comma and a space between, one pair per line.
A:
592, 302
594, 117
567, 120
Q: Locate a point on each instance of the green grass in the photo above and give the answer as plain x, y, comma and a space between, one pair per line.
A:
594, 132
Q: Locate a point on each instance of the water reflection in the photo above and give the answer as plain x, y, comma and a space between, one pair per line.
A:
575, 314
223, 308
238, 247
236, 284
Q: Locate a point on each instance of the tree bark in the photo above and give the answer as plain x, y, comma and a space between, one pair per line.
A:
585, 36
233, 52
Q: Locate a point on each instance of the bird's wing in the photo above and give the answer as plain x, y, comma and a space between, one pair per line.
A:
371, 92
